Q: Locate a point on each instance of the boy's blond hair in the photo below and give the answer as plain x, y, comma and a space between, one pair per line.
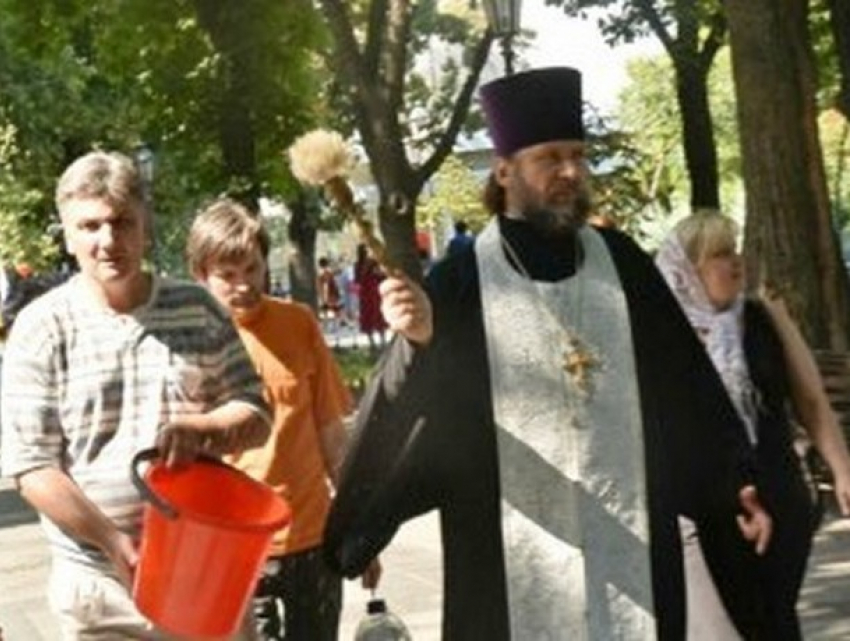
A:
224, 232
706, 233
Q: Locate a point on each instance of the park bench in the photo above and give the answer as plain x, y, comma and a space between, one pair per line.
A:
835, 370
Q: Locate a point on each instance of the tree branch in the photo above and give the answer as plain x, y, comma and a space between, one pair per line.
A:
444, 146
375, 35
347, 51
394, 54
653, 19
715, 39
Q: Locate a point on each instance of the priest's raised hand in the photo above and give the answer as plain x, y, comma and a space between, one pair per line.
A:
406, 308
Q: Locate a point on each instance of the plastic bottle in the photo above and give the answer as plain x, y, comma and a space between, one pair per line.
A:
380, 624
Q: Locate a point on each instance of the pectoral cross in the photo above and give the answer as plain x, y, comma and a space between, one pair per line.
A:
578, 362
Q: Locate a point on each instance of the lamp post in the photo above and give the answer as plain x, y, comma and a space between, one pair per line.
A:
145, 161
503, 17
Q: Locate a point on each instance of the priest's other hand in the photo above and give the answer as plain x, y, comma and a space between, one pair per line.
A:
371, 575
755, 523
406, 308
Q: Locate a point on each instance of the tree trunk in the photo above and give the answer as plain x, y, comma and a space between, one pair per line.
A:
839, 20
223, 23
698, 134
790, 243
398, 225
377, 74
302, 261
692, 39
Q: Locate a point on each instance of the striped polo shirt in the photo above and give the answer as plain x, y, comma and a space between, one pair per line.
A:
84, 388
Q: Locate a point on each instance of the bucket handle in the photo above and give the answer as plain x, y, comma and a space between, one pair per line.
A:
151, 454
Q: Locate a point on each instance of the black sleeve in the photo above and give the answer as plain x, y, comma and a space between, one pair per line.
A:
402, 453
381, 481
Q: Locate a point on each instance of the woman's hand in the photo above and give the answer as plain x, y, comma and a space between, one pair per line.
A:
841, 482
755, 523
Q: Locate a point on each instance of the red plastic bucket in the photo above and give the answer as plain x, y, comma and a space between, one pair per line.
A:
206, 532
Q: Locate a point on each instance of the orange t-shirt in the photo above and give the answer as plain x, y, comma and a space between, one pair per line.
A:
305, 390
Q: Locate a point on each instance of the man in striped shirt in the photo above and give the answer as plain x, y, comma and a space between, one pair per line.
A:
114, 361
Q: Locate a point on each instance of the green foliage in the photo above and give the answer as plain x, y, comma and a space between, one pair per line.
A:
624, 21
622, 24
456, 194
652, 157
23, 237
356, 367
82, 74
182, 75
434, 80
619, 192
53, 106
823, 43
649, 114
835, 139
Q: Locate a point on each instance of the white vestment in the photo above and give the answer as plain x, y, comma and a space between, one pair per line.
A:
573, 485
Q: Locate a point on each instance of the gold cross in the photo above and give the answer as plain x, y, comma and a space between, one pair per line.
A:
578, 363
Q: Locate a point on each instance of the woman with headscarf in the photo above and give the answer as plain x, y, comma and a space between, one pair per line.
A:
770, 376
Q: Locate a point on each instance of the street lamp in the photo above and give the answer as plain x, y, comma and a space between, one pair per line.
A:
145, 161
503, 19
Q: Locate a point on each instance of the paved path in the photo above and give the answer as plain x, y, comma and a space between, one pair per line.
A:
825, 601
411, 585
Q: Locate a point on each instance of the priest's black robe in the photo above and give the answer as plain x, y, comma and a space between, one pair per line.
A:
425, 439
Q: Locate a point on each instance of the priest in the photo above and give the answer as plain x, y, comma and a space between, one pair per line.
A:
550, 399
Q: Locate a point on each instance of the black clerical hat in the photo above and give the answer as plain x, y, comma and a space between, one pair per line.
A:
532, 107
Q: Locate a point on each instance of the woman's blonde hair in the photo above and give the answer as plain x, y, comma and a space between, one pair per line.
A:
706, 233
224, 232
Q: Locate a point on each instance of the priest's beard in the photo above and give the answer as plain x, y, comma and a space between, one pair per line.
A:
553, 218
559, 221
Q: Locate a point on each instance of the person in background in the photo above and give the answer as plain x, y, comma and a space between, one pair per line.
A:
766, 369
114, 361
298, 597
277, 289
344, 275
461, 239
550, 399
330, 300
368, 275
425, 261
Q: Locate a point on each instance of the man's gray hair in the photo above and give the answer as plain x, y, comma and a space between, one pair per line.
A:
101, 176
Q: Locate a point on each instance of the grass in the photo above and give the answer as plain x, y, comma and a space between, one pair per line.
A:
356, 366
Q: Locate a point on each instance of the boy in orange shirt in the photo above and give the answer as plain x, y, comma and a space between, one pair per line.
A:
297, 597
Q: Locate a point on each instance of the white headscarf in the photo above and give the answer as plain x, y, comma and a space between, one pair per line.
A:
720, 330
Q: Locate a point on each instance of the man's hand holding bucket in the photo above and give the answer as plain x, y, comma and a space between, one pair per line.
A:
229, 428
